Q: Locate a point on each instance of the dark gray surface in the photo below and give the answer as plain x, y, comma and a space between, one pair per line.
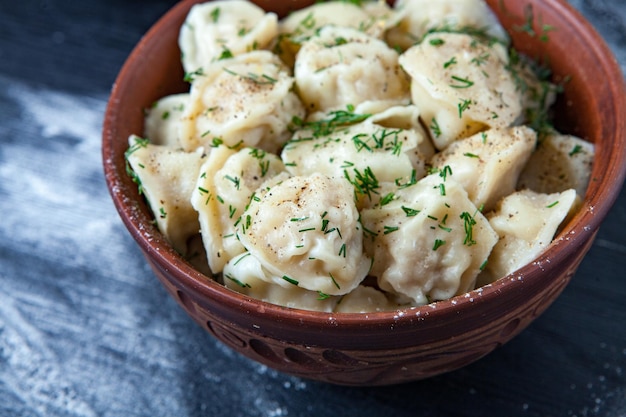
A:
86, 330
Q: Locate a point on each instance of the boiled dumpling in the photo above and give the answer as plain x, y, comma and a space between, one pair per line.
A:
372, 18
226, 183
526, 223
305, 232
559, 163
243, 101
429, 242
246, 275
162, 120
488, 164
461, 86
339, 67
537, 92
365, 299
382, 18
421, 16
166, 177
221, 29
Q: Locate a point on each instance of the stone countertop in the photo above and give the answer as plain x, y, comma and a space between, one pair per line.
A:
87, 330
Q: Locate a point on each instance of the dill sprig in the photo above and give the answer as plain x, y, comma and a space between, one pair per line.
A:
338, 119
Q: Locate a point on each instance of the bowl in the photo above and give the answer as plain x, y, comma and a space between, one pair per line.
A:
392, 347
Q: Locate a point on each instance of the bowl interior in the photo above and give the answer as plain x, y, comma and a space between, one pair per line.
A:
588, 108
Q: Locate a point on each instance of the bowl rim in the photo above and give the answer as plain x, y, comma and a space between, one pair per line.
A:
595, 207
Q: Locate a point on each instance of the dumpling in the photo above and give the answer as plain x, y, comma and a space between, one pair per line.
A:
382, 18
421, 16
162, 120
537, 92
526, 223
222, 29
340, 67
365, 299
167, 178
488, 164
243, 101
226, 183
559, 163
305, 232
372, 18
246, 275
461, 86
366, 154
428, 243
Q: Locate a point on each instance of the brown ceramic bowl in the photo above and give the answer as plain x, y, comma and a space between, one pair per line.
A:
388, 347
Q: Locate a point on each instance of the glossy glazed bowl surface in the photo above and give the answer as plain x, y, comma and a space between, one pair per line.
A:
404, 345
